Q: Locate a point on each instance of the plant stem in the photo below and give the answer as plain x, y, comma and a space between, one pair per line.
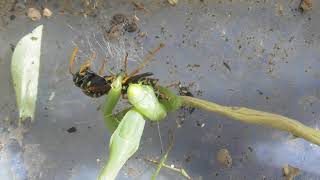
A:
257, 117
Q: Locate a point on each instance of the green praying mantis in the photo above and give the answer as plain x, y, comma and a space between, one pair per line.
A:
150, 101
128, 125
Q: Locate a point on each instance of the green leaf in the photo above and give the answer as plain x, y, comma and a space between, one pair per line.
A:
25, 67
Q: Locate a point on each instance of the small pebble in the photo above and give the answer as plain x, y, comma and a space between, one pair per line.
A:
34, 14
290, 172
47, 12
224, 157
305, 5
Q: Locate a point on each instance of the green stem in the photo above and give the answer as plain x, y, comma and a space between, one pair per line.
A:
257, 117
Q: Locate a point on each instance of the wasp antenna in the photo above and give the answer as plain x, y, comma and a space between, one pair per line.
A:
146, 60
72, 59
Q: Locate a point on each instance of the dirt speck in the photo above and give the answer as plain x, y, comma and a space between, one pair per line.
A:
188, 158
72, 130
260, 92
224, 157
227, 66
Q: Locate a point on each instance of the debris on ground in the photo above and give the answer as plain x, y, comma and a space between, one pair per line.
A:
131, 27
305, 5
227, 66
290, 172
119, 19
184, 91
280, 9
34, 14
72, 129
121, 23
224, 157
173, 2
47, 12
139, 6
90, 7
114, 32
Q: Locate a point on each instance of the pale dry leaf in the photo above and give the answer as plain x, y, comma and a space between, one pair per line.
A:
25, 66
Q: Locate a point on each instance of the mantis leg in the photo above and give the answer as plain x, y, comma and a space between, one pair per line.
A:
113, 96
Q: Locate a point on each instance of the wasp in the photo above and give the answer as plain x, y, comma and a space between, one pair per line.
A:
96, 84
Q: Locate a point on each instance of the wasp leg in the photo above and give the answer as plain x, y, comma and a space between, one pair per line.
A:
109, 78
87, 64
72, 59
144, 62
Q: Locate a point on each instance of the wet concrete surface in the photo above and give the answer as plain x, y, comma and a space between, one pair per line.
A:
257, 54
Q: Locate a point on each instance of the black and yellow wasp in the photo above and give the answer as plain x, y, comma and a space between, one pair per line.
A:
96, 84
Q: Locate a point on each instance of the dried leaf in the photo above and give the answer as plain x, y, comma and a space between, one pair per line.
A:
25, 72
